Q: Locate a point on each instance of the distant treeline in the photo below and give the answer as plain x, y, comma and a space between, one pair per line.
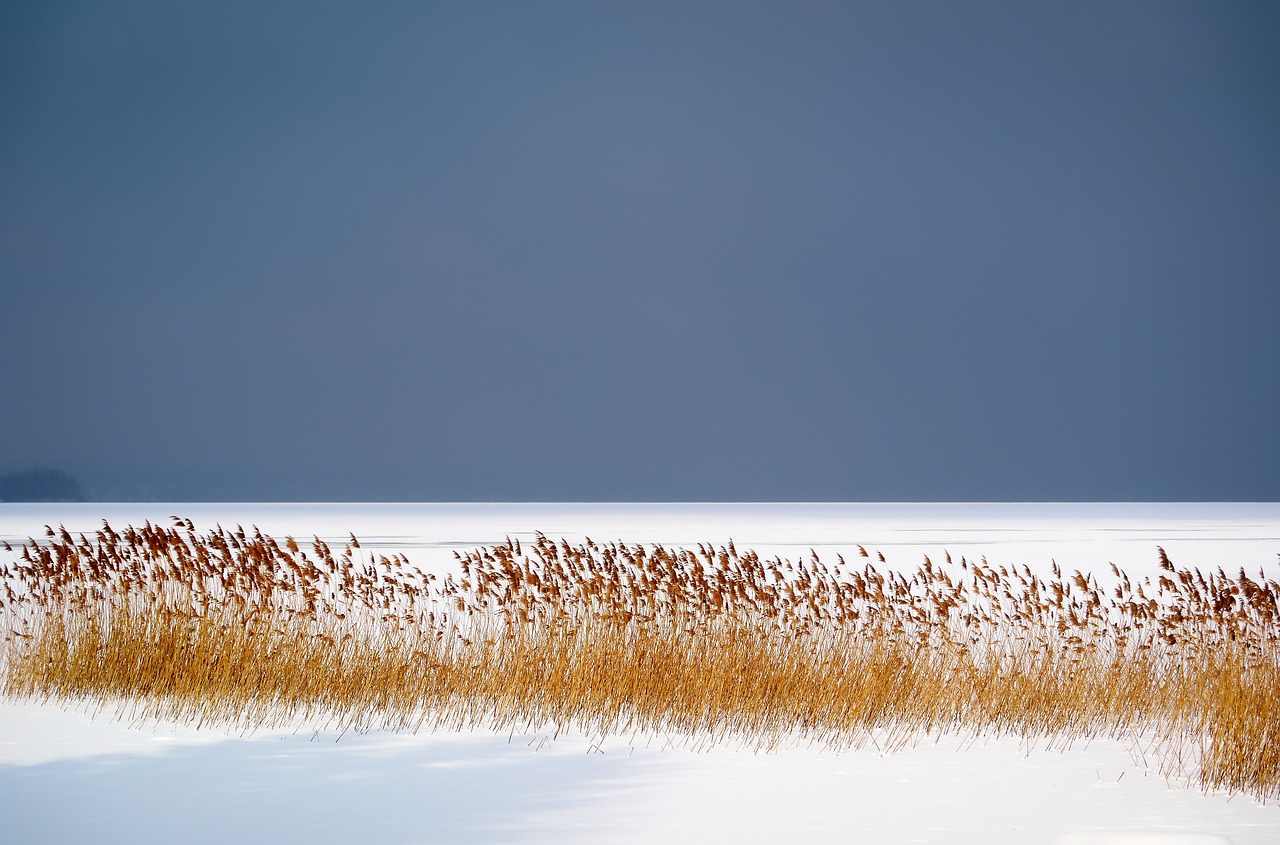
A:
40, 485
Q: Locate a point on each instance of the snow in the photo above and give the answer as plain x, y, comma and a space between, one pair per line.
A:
74, 775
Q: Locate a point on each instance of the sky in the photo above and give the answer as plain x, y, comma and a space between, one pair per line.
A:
657, 251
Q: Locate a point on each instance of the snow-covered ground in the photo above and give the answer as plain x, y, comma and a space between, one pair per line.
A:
71, 776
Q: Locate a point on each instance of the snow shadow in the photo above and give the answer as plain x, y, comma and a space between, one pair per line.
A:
376, 788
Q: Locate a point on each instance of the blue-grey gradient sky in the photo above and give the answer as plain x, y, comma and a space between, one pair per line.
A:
643, 251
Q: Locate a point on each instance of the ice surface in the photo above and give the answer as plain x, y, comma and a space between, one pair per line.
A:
1120, 837
68, 775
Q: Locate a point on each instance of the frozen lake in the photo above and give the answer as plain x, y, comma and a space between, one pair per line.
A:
71, 776
1078, 535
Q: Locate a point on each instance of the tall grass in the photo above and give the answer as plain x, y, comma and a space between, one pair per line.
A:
714, 644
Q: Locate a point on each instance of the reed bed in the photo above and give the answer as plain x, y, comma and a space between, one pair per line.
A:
717, 644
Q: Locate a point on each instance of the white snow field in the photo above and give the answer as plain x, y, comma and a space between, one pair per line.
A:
71, 775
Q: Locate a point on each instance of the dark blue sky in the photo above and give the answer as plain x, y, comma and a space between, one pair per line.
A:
663, 251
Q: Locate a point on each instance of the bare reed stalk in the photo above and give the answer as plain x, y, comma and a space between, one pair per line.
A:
717, 644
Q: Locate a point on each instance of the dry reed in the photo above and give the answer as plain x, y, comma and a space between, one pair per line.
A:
717, 644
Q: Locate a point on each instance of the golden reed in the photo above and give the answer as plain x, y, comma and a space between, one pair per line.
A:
717, 644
